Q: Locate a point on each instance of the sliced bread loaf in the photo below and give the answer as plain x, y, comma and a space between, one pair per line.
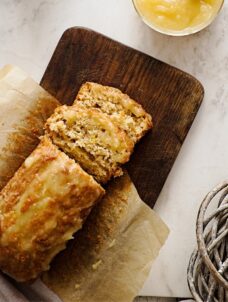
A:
91, 138
127, 113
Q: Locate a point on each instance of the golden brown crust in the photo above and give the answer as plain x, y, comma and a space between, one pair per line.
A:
41, 207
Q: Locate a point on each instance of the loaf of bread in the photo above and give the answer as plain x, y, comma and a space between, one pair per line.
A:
50, 196
127, 113
25, 106
91, 138
41, 207
100, 130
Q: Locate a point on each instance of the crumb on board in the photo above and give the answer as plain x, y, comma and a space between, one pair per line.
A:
77, 285
112, 243
95, 265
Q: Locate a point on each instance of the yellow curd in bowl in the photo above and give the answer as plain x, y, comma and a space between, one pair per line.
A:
178, 15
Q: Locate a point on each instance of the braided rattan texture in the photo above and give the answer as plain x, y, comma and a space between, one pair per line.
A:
208, 266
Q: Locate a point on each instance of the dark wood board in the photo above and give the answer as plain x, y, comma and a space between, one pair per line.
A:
171, 96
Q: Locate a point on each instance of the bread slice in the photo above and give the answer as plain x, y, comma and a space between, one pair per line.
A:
127, 113
41, 207
91, 138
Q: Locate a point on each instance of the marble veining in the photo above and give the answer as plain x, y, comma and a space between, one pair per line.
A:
29, 32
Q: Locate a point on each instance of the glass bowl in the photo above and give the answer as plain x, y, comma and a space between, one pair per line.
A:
184, 32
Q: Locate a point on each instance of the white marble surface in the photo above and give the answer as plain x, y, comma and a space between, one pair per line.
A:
29, 31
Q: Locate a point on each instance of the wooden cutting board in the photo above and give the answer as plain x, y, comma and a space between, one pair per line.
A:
171, 96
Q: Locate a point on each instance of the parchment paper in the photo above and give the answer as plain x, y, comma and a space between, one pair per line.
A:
110, 258
24, 108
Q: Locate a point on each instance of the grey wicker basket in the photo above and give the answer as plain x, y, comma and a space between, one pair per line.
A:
208, 266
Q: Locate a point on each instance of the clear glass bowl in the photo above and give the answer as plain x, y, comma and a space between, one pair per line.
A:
184, 32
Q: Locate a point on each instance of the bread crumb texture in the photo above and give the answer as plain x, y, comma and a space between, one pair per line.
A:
100, 130
91, 138
127, 113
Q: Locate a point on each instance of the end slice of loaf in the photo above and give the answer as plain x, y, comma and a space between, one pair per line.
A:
91, 138
127, 113
42, 206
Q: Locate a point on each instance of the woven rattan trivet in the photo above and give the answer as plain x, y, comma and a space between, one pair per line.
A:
208, 266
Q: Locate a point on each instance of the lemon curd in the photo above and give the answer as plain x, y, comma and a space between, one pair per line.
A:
177, 15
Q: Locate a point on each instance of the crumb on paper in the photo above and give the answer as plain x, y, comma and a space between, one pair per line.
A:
77, 286
29, 161
95, 265
112, 243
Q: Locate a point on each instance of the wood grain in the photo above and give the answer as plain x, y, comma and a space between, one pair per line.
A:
170, 95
